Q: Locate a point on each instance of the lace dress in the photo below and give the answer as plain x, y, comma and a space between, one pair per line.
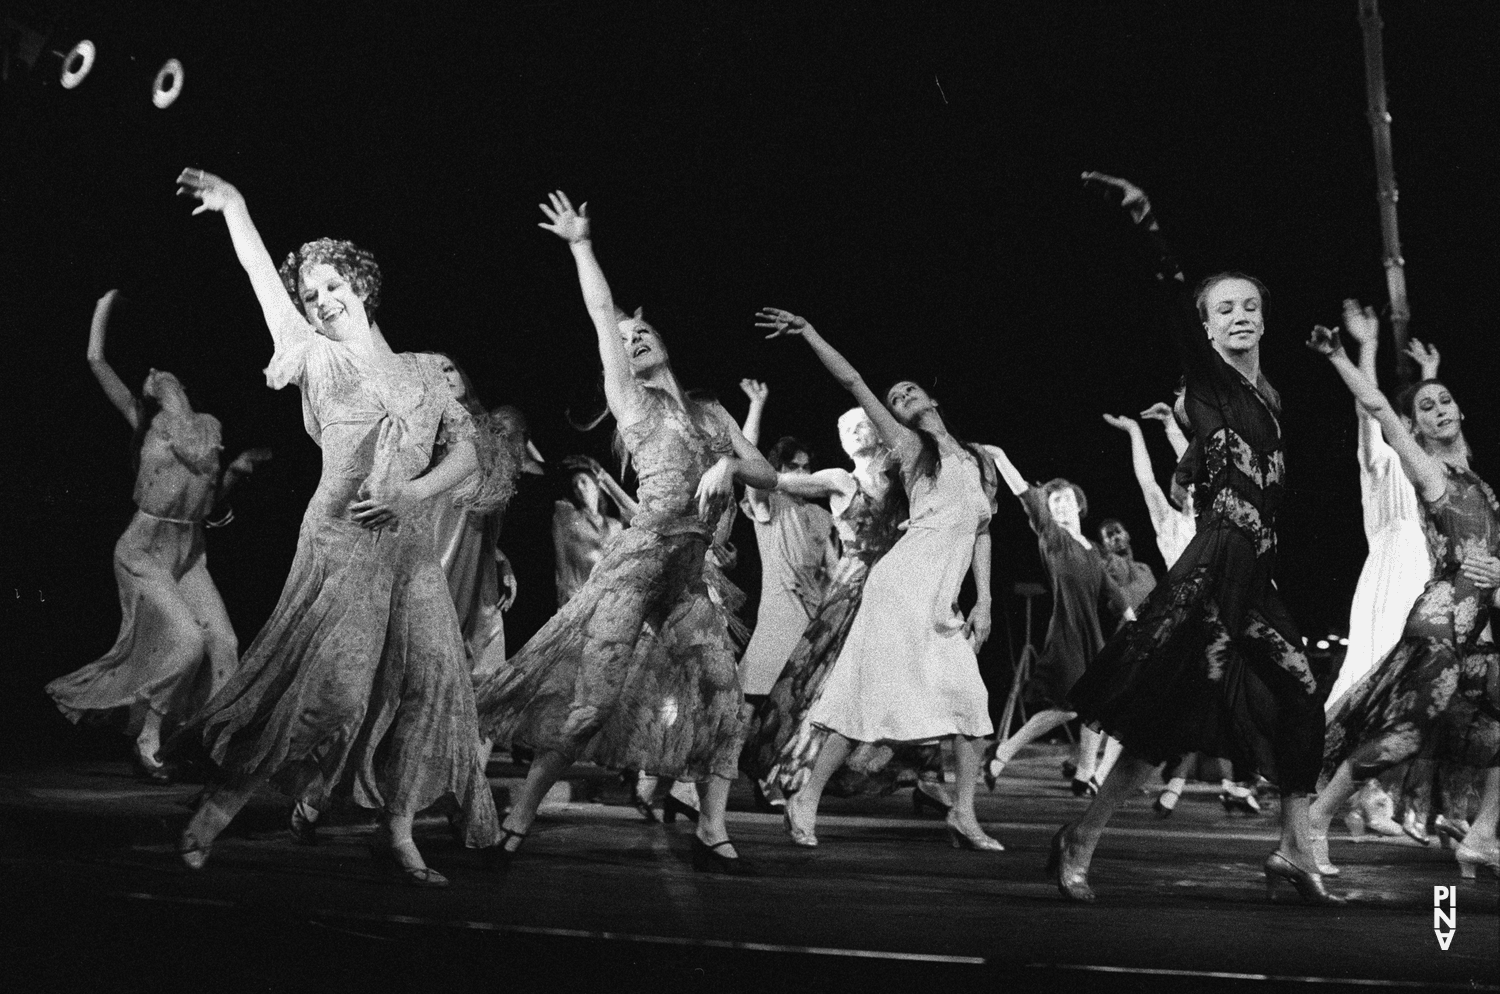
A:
580, 686
907, 672
782, 745
1435, 697
357, 687
1214, 662
793, 537
172, 620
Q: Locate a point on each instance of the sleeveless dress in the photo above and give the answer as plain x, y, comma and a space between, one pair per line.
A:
1214, 662
1079, 583
172, 620
1397, 568
793, 540
907, 672
1435, 697
357, 687
580, 687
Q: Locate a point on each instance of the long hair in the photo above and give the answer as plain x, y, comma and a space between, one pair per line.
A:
930, 459
1200, 298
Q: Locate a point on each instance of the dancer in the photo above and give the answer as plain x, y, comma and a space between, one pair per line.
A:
579, 690
795, 556
907, 672
356, 688
1174, 530
781, 747
176, 646
582, 525
1434, 691
1134, 579
1079, 583
1214, 662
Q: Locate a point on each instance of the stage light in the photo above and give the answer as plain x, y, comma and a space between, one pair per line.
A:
77, 64
167, 86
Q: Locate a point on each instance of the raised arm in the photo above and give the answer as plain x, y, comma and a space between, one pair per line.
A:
1425, 472
757, 392
1157, 504
1163, 412
901, 439
114, 387
1363, 326
1008, 472
214, 194
621, 391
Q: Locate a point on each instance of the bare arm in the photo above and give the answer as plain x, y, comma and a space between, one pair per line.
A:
217, 195
816, 486
979, 622
1426, 473
1168, 418
1157, 504
757, 392
901, 439
621, 391
1008, 472
114, 388
397, 501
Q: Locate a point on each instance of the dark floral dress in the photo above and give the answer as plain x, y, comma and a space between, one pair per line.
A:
1435, 698
584, 686
1214, 662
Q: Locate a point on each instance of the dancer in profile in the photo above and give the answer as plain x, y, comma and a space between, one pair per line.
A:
1080, 583
579, 690
907, 672
175, 647
1214, 662
356, 689
1432, 695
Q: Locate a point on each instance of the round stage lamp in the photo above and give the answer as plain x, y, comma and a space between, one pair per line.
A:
167, 86
77, 64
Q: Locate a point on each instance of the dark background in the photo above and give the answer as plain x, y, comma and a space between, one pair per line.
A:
905, 175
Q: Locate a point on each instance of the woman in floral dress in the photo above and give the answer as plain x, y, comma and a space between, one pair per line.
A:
357, 687
1438, 691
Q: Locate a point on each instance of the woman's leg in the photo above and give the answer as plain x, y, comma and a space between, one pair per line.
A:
713, 798
1481, 835
545, 770
968, 755
1112, 750
1086, 759
802, 807
1123, 783
214, 814
1036, 726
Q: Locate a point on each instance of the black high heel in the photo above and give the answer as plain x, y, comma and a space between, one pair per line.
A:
1309, 885
708, 859
921, 799
1075, 886
500, 855
413, 876
671, 807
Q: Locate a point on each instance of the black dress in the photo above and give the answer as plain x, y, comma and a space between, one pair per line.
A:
1214, 662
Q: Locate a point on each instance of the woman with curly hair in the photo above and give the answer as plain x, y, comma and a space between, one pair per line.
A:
357, 688
1434, 695
176, 646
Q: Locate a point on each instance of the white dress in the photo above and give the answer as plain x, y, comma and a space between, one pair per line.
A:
1177, 530
793, 536
1397, 568
907, 672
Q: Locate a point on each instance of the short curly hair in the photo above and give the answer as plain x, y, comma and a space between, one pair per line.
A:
1053, 486
355, 264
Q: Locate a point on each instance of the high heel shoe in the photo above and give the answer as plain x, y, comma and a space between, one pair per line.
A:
671, 807
1166, 802
920, 799
963, 840
193, 852
1309, 885
800, 836
992, 770
1414, 825
386, 858
1469, 859
708, 859
1320, 856
1243, 803
500, 855
1085, 788
304, 829
1074, 884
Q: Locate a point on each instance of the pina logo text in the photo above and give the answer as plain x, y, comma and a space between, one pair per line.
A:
1444, 915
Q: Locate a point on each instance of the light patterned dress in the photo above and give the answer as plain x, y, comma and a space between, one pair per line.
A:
357, 687
580, 687
175, 645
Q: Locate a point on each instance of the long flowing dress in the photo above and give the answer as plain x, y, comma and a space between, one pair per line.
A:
357, 688
466, 532
1214, 662
1397, 568
1079, 584
172, 620
781, 745
907, 672
793, 537
579, 686
1435, 697
578, 542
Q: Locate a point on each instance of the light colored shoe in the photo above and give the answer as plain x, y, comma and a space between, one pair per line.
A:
961, 839
800, 836
1320, 856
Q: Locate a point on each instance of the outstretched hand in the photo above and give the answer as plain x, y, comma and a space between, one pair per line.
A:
1425, 356
213, 192
1325, 341
781, 322
572, 226
1362, 324
1160, 411
1123, 423
1132, 197
755, 390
